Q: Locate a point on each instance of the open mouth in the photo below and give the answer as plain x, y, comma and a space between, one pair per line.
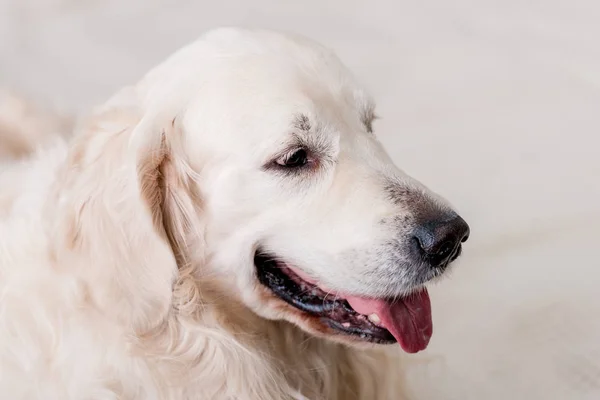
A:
406, 320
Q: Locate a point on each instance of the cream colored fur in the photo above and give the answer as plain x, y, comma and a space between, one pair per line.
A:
25, 126
125, 270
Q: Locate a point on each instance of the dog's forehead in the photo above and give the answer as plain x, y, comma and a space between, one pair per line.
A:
251, 61
261, 82
264, 115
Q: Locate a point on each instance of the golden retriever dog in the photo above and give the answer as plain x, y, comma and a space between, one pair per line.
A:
227, 228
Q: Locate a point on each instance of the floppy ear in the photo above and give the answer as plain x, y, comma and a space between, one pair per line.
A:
127, 217
169, 188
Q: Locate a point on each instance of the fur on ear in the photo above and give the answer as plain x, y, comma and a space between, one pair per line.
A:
168, 187
127, 217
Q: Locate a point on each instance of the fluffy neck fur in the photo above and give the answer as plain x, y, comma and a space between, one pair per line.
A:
177, 336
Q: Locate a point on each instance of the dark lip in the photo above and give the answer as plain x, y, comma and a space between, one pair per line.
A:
332, 312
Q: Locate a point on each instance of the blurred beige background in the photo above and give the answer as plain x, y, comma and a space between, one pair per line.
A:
495, 104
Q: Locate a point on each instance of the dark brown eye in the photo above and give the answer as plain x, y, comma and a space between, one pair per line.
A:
294, 159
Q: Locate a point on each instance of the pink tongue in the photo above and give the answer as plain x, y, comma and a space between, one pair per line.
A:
408, 319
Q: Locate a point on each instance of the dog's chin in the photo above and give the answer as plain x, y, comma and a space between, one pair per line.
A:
349, 320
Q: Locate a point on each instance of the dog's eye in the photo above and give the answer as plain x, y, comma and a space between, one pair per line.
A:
294, 159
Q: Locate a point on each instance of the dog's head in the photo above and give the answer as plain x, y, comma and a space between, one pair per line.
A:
259, 161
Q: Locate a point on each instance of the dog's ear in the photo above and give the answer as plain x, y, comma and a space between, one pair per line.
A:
168, 186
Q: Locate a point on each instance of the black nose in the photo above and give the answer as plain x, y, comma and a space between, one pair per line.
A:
439, 240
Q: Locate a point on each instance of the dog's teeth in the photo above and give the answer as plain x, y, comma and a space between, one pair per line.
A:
346, 324
374, 318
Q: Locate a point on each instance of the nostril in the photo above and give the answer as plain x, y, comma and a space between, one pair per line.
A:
446, 248
466, 231
456, 253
